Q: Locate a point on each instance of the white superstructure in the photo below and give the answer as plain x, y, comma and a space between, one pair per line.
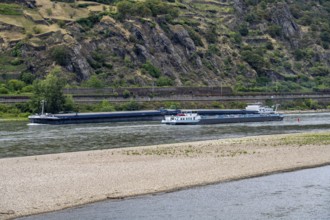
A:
260, 109
184, 118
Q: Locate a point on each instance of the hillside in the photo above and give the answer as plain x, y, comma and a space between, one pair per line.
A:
250, 45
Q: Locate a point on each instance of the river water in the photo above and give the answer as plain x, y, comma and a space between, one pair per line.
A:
303, 194
21, 139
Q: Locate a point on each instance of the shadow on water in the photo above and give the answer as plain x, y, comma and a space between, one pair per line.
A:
19, 139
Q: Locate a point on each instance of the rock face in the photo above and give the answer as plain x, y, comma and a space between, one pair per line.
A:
282, 16
132, 47
182, 37
79, 64
239, 6
212, 46
9, 27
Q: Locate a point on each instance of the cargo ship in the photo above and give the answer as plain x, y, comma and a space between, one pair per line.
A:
253, 113
210, 116
100, 117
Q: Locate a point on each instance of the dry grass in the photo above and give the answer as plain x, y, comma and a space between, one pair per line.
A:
46, 9
231, 147
66, 11
11, 36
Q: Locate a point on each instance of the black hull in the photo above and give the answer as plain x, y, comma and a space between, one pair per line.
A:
92, 120
241, 119
182, 123
209, 117
79, 118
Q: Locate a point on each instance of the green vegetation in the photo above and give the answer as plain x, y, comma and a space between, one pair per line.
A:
60, 54
306, 139
150, 69
164, 81
10, 9
91, 20
94, 82
145, 8
51, 91
14, 111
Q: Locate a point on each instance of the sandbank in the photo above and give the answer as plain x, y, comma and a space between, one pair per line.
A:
37, 184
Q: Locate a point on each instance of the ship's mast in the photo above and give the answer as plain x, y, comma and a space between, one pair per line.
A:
42, 107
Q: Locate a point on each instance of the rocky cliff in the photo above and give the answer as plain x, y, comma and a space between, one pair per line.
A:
249, 45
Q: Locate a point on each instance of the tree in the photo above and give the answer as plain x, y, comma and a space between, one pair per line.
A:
51, 91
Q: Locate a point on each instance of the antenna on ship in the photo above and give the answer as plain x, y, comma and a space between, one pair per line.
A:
276, 107
42, 107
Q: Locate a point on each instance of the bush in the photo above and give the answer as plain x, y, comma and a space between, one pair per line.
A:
10, 9
36, 30
217, 105
3, 90
145, 9
172, 105
251, 17
151, 69
94, 82
211, 34
27, 89
49, 11
274, 30
92, 19
105, 106
126, 94
243, 30
17, 51
67, 1
325, 36
164, 81
236, 38
61, 23
320, 71
299, 54
16, 62
195, 37
61, 55
131, 106
15, 85
269, 45
254, 59
27, 77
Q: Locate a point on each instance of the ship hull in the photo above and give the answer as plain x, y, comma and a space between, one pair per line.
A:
208, 117
240, 119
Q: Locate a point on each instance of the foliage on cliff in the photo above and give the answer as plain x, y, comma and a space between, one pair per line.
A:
251, 45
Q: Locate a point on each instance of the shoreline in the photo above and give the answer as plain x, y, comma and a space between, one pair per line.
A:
39, 184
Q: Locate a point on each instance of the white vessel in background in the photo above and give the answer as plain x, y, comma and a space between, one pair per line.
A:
183, 118
261, 109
